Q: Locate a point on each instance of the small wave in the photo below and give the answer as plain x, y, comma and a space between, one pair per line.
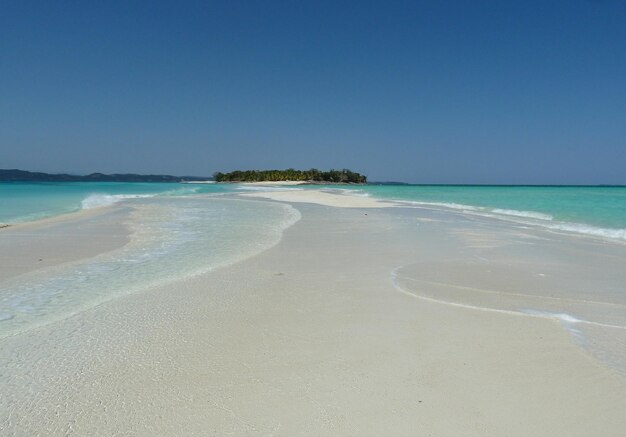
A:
505, 212
356, 193
100, 200
577, 228
561, 317
567, 320
179, 191
450, 205
528, 218
527, 214
614, 234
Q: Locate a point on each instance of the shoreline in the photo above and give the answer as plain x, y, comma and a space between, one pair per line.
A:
312, 334
610, 235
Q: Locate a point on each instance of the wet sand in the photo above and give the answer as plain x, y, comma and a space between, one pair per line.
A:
315, 337
31, 246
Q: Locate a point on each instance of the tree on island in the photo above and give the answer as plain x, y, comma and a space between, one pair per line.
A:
344, 176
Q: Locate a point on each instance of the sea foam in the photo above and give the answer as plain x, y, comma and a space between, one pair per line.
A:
100, 200
450, 205
527, 214
613, 234
527, 218
352, 192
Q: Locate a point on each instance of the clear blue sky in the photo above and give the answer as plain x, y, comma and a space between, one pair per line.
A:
420, 91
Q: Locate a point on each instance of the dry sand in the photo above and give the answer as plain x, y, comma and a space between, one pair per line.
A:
319, 197
308, 338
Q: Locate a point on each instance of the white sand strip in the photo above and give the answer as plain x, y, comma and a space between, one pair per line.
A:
320, 197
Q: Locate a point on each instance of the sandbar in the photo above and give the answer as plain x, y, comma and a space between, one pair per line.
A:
313, 337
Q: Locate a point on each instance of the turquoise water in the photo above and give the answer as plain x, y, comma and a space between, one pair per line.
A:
599, 211
26, 201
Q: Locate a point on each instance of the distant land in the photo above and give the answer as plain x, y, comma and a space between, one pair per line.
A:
14, 175
313, 175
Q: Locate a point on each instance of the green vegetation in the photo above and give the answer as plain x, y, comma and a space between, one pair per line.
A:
313, 175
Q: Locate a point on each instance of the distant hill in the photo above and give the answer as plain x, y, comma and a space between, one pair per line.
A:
14, 175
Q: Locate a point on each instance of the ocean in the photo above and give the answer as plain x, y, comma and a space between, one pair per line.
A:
28, 201
592, 210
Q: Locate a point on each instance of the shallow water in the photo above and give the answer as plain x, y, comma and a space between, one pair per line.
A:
171, 238
488, 265
597, 211
28, 201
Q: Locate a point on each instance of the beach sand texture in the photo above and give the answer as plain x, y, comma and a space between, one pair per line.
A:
330, 332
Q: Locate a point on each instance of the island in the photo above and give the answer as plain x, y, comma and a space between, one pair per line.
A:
313, 175
14, 175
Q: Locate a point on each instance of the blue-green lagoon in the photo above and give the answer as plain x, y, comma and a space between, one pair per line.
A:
591, 210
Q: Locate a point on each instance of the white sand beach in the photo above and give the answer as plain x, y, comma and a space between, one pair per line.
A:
316, 336
321, 198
